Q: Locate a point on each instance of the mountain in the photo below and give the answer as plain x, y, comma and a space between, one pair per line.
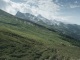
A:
71, 30
37, 19
27, 16
25, 40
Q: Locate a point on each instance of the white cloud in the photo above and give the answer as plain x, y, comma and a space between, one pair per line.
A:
74, 6
62, 18
6, 0
46, 8
7, 6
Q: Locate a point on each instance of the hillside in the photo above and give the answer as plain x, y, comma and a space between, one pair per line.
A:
24, 40
63, 28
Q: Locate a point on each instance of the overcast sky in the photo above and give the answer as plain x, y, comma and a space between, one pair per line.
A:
61, 10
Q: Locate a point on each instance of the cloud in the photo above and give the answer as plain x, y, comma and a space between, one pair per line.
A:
56, 1
76, 2
74, 6
3, 4
6, 5
18, 1
46, 8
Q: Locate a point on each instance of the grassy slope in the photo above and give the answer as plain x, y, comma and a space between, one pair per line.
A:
22, 40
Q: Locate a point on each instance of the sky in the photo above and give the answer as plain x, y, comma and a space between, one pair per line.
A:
61, 10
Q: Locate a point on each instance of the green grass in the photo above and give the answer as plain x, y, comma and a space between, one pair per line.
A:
23, 40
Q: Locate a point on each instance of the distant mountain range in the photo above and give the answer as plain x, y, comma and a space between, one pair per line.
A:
67, 30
